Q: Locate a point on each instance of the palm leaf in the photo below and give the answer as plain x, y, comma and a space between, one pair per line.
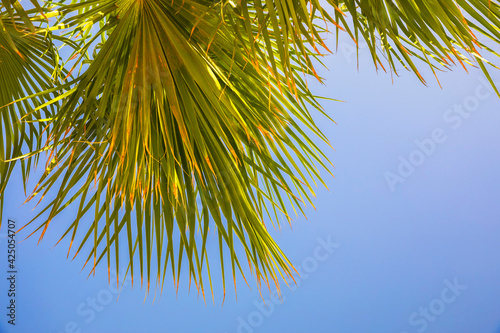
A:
182, 117
164, 122
28, 65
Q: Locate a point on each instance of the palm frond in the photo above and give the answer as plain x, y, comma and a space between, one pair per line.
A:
28, 65
177, 118
171, 119
439, 33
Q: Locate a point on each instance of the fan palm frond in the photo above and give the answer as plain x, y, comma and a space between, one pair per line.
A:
439, 33
28, 65
181, 117
173, 120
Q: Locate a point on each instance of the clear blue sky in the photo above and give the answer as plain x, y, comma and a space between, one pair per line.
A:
413, 250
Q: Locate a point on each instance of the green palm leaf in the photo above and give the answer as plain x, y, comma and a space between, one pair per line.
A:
180, 118
170, 130
28, 65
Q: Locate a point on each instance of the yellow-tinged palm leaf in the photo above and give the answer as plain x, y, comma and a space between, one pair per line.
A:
28, 65
183, 116
440, 33
173, 121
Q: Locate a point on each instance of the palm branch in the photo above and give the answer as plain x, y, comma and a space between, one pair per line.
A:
168, 120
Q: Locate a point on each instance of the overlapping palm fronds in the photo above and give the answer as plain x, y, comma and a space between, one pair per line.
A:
28, 65
439, 33
177, 119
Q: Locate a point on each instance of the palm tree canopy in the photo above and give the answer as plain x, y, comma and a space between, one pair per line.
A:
166, 119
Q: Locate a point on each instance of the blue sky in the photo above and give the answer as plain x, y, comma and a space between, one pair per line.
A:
405, 240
